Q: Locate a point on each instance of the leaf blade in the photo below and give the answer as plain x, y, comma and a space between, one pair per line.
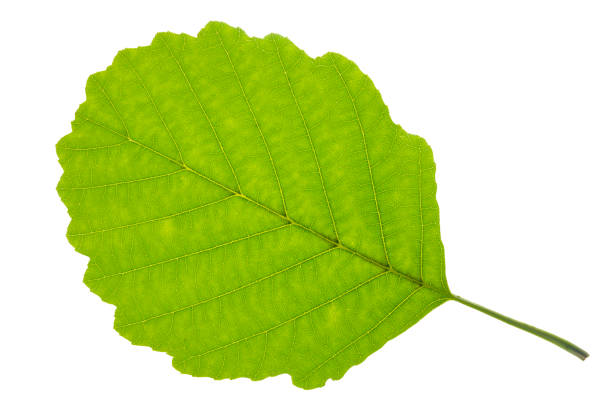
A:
177, 286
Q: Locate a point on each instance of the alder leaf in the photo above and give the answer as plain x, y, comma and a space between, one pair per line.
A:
252, 211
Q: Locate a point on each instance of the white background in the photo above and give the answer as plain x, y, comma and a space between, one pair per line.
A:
514, 97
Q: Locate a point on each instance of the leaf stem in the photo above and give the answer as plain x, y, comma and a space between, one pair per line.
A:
560, 342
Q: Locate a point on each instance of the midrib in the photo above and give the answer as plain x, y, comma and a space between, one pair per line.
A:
286, 218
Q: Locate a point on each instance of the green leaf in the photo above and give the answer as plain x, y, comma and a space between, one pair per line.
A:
250, 210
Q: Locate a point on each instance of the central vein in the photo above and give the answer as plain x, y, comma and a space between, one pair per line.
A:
286, 218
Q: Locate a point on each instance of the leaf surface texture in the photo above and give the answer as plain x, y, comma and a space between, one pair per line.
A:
250, 210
